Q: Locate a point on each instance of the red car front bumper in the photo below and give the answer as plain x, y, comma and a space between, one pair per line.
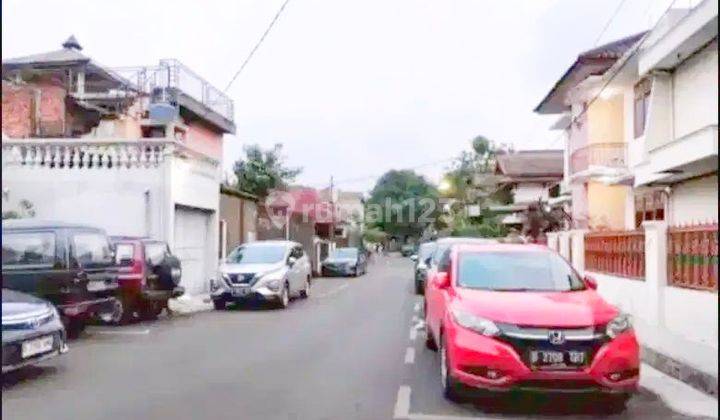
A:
488, 363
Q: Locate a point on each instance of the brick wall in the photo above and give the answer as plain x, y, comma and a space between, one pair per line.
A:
23, 115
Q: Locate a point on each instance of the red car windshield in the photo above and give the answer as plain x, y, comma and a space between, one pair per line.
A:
516, 271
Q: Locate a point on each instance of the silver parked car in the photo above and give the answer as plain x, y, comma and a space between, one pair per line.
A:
31, 330
265, 271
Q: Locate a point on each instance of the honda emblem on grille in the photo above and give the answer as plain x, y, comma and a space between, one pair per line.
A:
556, 337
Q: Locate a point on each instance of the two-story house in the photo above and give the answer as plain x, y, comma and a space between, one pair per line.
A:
136, 151
669, 88
595, 143
531, 176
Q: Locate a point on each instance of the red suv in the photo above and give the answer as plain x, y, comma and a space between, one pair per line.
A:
518, 317
148, 274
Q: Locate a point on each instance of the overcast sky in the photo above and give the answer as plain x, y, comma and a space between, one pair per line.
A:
351, 88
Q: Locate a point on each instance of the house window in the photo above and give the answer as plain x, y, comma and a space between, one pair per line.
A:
649, 206
641, 106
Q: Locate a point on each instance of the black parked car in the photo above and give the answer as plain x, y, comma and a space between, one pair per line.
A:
422, 260
148, 275
31, 330
70, 265
345, 262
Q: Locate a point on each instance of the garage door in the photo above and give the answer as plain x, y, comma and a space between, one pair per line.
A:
192, 247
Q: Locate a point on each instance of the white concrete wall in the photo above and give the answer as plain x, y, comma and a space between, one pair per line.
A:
695, 92
527, 192
113, 199
694, 201
679, 323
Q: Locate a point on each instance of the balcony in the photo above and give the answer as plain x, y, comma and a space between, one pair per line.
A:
185, 87
598, 160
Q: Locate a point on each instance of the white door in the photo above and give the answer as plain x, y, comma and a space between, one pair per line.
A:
191, 247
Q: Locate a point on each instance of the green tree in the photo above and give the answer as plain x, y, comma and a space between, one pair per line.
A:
263, 170
402, 203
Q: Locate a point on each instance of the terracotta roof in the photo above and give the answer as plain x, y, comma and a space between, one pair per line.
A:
68, 56
589, 63
531, 164
305, 201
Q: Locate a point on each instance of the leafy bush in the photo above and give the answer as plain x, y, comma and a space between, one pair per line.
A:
481, 231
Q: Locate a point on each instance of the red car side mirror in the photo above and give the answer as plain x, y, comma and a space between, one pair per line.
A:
590, 283
442, 280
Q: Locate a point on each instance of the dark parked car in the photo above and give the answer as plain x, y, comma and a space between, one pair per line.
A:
148, 274
70, 265
31, 330
345, 262
422, 260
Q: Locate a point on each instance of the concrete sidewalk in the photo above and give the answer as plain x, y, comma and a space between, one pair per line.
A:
678, 395
188, 304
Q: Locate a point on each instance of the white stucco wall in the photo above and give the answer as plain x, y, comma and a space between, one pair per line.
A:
113, 199
694, 201
687, 328
695, 91
529, 192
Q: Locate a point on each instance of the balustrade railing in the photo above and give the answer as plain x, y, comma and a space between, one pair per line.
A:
693, 256
611, 155
85, 154
617, 253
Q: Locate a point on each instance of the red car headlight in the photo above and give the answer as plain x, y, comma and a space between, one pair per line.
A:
618, 325
478, 324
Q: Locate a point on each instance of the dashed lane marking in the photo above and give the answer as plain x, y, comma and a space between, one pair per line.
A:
413, 334
402, 404
417, 307
409, 356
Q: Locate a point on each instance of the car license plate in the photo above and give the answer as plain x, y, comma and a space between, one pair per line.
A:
96, 285
551, 358
240, 291
37, 346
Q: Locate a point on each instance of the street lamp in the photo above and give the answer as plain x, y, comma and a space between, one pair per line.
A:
445, 186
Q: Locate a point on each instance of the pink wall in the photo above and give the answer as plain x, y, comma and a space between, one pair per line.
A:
205, 140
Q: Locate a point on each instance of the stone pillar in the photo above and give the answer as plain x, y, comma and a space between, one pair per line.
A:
655, 269
552, 240
564, 244
577, 244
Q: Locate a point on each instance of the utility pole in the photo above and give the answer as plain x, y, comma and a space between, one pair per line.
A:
332, 209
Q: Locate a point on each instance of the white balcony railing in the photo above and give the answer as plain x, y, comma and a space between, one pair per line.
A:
610, 155
94, 153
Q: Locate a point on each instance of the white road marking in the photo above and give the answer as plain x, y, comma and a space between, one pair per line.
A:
332, 292
417, 307
415, 319
413, 334
402, 404
409, 356
119, 331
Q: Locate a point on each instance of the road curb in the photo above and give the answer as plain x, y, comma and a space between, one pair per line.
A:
678, 395
187, 305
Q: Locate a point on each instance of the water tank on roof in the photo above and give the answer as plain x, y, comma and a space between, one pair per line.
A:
162, 108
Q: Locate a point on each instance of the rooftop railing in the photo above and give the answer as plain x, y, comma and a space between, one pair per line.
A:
171, 73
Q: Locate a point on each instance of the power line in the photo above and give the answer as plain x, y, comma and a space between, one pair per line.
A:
607, 25
368, 177
257, 45
634, 51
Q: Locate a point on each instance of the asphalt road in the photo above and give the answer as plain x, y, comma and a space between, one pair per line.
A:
354, 350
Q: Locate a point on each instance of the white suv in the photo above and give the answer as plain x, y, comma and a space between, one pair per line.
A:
269, 271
